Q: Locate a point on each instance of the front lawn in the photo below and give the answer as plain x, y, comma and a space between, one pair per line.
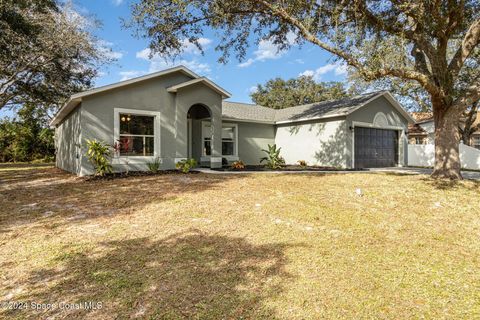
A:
293, 246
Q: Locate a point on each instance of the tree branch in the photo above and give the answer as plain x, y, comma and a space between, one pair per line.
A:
423, 79
469, 42
471, 95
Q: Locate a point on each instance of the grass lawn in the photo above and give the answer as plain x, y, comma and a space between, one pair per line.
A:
286, 246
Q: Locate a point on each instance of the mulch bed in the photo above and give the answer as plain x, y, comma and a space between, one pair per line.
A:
122, 175
285, 168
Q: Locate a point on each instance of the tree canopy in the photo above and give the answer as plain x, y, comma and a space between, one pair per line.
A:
46, 52
429, 42
278, 93
26, 137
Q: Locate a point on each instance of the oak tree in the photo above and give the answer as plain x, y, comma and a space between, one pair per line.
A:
279, 93
46, 53
408, 39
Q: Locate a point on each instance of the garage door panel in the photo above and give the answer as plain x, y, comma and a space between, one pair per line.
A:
375, 147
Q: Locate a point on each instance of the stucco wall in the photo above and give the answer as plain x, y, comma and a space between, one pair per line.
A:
98, 117
67, 142
252, 138
187, 97
318, 143
429, 127
373, 114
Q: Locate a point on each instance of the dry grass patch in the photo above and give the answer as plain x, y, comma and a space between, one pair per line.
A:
230, 246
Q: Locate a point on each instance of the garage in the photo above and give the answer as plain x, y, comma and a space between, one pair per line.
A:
375, 148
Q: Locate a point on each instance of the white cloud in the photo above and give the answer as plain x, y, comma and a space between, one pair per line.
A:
267, 50
125, 75
159, 63
189, 47
253, 89
117, 2
299, 61
105, 47
341, 70
246, 63
336, 68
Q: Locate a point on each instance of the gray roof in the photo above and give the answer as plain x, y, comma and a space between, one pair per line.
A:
246, 111
325, 109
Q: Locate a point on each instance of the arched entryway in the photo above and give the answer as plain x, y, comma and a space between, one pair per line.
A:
198, 138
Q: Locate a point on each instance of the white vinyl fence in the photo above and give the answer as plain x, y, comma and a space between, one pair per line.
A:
423, 155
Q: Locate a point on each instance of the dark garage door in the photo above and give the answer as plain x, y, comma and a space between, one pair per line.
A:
375, 148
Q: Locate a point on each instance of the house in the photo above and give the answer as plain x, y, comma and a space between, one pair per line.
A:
423, 130
175, 114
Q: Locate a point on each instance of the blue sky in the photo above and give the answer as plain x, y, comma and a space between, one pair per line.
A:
262, 63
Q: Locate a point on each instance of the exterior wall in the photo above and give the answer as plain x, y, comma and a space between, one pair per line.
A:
67, 142
97, 118
320, 143
377, 114
187, 97
429, 127
252, 138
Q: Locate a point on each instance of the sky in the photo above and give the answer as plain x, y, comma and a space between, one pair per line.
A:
263, 61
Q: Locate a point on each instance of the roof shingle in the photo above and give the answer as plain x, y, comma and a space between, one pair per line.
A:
324, 109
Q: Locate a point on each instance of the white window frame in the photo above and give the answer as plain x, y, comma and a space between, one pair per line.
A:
233, 157
156, 133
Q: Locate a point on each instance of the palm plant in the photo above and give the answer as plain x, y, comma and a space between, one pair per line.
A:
273, 159
98, 154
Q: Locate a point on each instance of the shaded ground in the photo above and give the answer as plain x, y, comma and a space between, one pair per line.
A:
467, 174
172, 246
287, 168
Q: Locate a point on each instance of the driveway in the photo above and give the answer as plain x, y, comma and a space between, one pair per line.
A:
472, 175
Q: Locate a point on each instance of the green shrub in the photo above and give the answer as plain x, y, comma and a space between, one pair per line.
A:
154, 166
273, 159
186, 165
98, 154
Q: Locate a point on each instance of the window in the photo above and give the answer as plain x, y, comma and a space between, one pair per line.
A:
136, 135
207, 139
229, 139
476, 142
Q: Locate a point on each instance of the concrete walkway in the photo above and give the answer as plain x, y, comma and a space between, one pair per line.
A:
471, 175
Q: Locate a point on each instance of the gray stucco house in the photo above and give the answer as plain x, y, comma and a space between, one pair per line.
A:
175, 114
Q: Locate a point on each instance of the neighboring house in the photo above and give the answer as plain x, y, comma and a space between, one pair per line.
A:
423, 130
175, 114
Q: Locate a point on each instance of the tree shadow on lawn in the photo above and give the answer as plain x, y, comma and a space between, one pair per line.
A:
49, 198
440, 184
444, 184
187, 275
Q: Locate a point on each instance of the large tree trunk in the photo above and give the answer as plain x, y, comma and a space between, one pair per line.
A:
466, 136
447, 140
